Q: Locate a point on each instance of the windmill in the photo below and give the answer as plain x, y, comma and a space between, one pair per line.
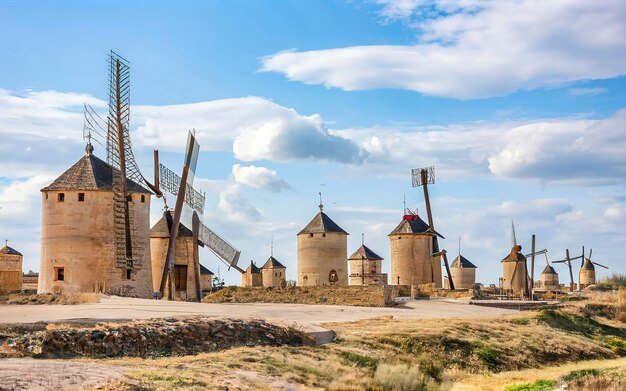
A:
422, 177
515, 270
182, 188
532, 255
115, 135
568, 261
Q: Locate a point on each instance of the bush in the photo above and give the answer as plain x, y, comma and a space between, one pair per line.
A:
359, 360
402, 377
539, 385
580, 374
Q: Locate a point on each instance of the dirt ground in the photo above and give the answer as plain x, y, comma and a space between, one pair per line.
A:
121, 308
31, 374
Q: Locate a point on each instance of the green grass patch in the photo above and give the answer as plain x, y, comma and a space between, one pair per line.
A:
359, 360
577, 324
580, 374
488, 355
149, 379
539, 385
616, 344
521, 321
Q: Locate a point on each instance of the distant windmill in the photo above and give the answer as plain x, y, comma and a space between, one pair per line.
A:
587, 273
532, 255
422, 177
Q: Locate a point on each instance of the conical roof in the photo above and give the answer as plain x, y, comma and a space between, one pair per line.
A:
204, 270
413, 224
365, 253
462, 262
253, 268
162, 227
272, 263
515, 255
6, 250
588, 265
549, 270
91, 173
321, 223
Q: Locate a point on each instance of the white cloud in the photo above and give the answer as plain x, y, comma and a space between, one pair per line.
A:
235, 208
259, 177
587, 91
584, 152
476, 49
255, 128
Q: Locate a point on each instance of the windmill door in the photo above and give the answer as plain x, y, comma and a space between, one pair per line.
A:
180, 277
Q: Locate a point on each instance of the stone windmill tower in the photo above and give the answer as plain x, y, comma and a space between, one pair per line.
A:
96, 215
322, 252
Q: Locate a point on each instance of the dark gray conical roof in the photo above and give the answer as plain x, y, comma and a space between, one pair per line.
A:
462, 262
365, 253
272, 263
91, 173
321, 223
162, 227
6, 250
413, 224
549, 270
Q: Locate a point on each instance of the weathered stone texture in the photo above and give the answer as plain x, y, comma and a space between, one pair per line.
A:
318, 255
79, 236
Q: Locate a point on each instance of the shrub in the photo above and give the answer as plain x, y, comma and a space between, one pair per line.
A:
539, 385
402, 377
580, 374
359, 360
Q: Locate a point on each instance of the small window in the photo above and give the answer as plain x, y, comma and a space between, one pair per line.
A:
143, 198
129, 273
275, 274
310, 235
46, 195
59, 274
81, 197
324, 235
61, 197
129, 198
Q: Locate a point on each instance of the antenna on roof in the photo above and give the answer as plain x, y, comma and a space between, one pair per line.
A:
321, 205
404, 209
459, 246
362, 239
272, 246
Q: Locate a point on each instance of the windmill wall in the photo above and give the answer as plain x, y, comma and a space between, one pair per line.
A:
77, 238
586, 277
251, 279
184, 266
411, 260
463, 277
549, 281
10, 273
273, 277
366, 272
320, 254
514, 274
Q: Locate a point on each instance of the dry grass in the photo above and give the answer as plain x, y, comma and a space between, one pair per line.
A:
52, 298
367, 296
392, 354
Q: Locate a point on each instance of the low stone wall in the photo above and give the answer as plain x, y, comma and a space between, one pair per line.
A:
155, 337
365, 296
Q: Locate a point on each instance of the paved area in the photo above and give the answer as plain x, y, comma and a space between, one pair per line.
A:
122, 308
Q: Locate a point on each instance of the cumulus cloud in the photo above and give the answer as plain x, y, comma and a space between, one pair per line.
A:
473, 49
294, 138
584, 152
259, 177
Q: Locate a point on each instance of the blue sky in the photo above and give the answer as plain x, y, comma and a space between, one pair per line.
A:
518, 104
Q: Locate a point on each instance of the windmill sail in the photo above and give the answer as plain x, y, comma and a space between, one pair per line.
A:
219, 246
128, 249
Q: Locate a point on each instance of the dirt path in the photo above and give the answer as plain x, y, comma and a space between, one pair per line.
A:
31, 374
120, 308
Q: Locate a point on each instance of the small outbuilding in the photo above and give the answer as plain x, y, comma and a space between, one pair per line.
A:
252, 276
463, 273
366, 267
549, 279
10, 269
273, 273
